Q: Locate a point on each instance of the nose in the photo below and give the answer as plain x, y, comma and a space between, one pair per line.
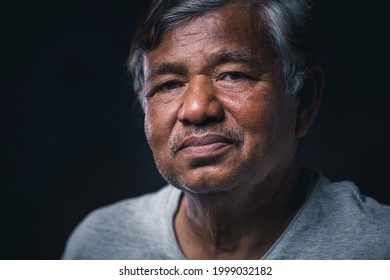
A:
200, 103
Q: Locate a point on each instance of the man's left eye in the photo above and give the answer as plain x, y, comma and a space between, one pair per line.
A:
233, 76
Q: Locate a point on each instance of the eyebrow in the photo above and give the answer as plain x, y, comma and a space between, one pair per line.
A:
218, 58
239, 56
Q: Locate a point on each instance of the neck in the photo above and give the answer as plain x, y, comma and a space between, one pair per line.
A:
238, 224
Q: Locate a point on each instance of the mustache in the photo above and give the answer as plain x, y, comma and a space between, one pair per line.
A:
236, 136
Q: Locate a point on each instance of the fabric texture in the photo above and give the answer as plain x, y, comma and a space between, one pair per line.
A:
335, 222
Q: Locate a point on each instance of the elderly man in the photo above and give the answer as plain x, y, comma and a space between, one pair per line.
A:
228, 88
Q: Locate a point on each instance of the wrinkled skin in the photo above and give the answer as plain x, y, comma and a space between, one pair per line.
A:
204, 96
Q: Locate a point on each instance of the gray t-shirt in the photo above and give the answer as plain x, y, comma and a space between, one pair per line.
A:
335, 222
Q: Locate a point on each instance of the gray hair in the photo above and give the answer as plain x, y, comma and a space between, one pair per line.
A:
288, 25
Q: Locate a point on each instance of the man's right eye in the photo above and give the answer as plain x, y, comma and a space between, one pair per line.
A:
168, 86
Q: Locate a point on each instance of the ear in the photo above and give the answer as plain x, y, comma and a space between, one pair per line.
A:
309, 99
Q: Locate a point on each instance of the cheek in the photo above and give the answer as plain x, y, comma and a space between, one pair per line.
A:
158, 124
267, 120
148, 127
254, 114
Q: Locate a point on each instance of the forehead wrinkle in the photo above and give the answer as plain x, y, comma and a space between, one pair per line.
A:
190, 34
197, 40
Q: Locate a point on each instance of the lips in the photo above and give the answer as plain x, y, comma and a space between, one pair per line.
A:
204, 144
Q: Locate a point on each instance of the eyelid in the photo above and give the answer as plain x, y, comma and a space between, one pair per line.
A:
159, 86
242, 75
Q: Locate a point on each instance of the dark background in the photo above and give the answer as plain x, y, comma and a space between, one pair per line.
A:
72, 132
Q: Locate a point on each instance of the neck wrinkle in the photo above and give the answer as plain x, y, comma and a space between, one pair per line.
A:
218, 224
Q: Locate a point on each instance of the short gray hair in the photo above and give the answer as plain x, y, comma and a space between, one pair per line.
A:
288, 24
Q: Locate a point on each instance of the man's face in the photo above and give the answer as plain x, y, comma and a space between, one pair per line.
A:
214, 117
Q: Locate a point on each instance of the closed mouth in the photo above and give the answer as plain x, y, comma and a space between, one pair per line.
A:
204, 143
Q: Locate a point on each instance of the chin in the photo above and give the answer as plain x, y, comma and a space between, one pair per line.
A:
212, 178
203, 183
199, 188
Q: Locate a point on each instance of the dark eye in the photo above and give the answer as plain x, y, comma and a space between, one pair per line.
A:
234, 76
168, 86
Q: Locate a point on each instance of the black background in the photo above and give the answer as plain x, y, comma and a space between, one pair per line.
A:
72, 131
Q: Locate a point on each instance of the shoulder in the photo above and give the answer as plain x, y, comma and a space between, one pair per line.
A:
133, 209
118, 230
349, 224
344, 199
336, 222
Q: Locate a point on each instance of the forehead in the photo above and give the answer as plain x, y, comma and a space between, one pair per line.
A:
227, 28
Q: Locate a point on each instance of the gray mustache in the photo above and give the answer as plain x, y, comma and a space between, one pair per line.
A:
233, 134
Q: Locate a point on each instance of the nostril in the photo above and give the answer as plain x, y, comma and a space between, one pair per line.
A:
199, 112
216, 109
198, 107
